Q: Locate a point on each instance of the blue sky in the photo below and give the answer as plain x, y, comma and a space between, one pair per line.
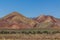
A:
30, 8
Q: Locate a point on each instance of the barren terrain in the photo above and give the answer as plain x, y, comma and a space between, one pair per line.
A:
29, 37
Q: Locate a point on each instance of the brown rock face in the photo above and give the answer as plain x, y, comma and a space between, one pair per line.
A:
18, 21
48, 21
45, 18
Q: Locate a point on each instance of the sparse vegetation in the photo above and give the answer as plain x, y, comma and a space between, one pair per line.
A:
30, 31
31, 34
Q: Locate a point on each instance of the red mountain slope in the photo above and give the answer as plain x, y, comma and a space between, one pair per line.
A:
48, 21
16, 20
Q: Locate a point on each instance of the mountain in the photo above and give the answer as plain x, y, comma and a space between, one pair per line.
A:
47, 21
16, 20
45, 18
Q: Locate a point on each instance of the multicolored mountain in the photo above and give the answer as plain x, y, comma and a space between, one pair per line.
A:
16, 20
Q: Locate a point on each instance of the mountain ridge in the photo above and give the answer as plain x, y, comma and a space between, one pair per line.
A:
16, 20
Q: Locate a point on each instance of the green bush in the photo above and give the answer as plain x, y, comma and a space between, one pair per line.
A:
39, 32
45, 32
4, 32
12, 32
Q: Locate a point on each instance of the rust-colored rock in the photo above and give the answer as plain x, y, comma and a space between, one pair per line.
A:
16, 20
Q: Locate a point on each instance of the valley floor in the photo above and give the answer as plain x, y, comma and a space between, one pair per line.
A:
30, 36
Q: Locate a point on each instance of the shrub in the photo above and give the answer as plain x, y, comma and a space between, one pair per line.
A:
13, 32
45, 32
39, 32
4, 32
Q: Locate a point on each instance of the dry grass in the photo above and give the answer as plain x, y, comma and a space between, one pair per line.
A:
29, 36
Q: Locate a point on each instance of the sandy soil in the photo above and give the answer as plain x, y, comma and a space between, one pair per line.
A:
29, 36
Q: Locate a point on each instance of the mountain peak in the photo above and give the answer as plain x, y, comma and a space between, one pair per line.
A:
41, 18
42, 15
15, 13
45, 18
